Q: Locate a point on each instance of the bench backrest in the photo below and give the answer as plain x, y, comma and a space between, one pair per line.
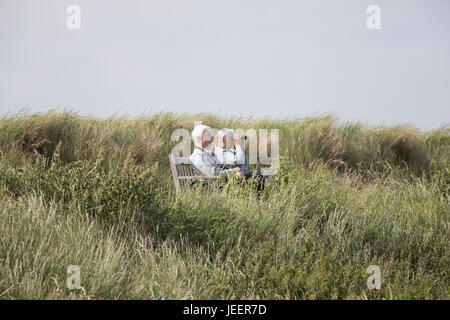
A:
180, 167
183, 173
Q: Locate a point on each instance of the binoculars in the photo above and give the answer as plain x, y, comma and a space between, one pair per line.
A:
243, 136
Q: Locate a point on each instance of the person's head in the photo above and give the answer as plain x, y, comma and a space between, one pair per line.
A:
225, 138
202, 136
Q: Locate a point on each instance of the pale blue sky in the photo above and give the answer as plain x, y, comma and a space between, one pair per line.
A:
269, 58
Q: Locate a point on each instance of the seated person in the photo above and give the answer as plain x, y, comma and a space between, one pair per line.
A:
229, 156
230, 151
205, 162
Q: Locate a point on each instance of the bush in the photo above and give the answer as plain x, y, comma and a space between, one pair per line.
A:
85, 184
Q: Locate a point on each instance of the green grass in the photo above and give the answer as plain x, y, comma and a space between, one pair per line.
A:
99, 194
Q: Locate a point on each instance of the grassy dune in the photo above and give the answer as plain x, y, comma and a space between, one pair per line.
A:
99, 194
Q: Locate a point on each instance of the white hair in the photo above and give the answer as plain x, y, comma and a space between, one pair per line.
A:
221, 134
198, 132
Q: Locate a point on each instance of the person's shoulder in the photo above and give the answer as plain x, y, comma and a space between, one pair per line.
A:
196, 153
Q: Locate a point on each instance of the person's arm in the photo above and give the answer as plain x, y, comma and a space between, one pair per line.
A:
198, 165
207, 168
240, 149
225, 172
240, 155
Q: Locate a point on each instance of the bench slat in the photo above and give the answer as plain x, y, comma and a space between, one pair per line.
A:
181, 160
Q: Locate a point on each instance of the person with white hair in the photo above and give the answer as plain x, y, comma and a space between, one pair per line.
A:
230, 150
203, 160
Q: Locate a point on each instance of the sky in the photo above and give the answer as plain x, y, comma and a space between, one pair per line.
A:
278, 59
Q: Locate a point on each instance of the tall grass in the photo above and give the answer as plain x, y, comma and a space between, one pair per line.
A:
98, 194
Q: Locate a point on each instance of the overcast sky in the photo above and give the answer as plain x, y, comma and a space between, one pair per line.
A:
274, 58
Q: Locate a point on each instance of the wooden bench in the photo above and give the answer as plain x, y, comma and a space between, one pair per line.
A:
182, 173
